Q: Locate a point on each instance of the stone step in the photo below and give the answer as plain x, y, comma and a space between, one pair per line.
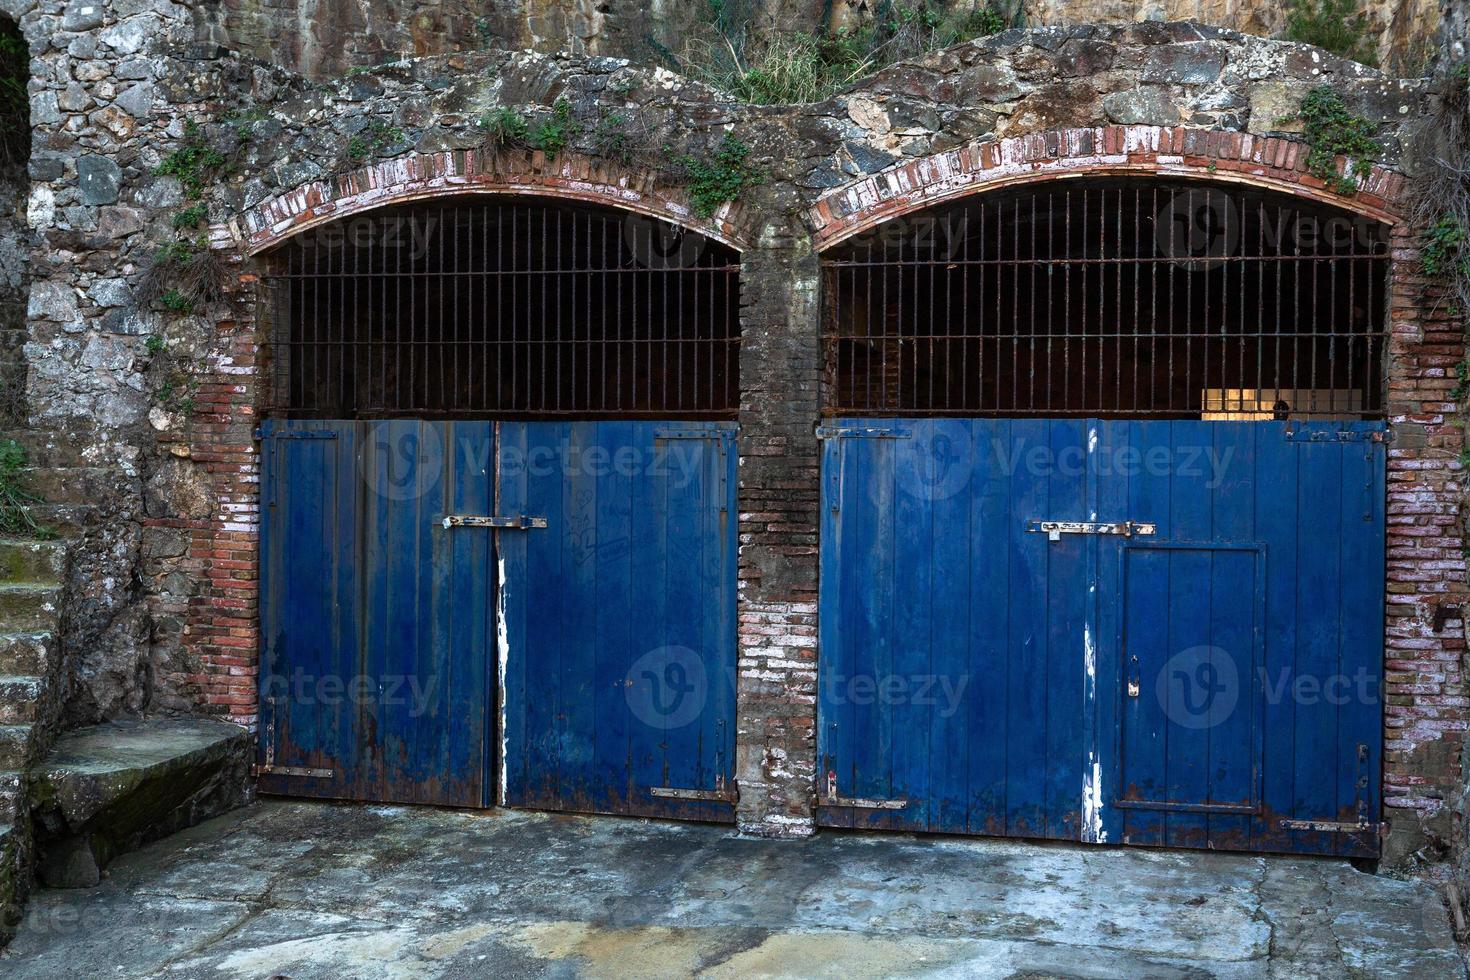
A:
46, 448
28, 606
20, 699
10, 783
27, 560
65, 520
76, 484
15, 747
27, 653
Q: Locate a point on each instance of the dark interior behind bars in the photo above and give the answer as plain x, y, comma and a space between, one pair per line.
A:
505, 307
1111, 298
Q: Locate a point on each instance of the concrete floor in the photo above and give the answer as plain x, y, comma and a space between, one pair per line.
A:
307, 890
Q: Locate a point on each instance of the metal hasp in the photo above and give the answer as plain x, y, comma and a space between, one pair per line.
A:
1055, 529
518, 523
724, 792
863, 803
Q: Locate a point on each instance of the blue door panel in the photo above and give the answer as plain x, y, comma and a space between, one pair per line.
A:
375, 683
618, 630
1213, 684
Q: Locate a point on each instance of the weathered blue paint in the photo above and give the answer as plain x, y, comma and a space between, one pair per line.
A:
1198, 687
385, 632
619, 617
376, 621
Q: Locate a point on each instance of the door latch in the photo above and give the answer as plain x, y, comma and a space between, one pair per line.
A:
1055, 529
518, 523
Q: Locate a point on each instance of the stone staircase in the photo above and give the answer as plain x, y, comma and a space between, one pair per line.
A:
32, 570
31, 573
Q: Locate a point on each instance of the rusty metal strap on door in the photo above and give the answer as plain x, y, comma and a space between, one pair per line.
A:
518, 522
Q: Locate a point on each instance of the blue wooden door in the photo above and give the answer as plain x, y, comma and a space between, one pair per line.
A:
617, 648
1210, 679
376, 621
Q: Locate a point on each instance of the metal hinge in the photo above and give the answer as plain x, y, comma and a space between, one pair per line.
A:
696, 432
1335, 827
861, 432
863, 803
724, 792
259, 434
518, 523
1055, 529
1294, 434
269, 770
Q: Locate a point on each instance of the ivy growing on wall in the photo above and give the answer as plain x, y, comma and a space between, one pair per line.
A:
1333, 130
15, 107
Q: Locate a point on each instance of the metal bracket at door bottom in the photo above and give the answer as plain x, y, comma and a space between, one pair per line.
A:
1055, 529
858, 802
1335, 827
518, 523
724, 792
269, 767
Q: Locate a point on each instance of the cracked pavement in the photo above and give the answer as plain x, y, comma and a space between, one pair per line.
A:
306, 890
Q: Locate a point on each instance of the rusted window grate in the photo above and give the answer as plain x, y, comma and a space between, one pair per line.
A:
516, 307
1116, 298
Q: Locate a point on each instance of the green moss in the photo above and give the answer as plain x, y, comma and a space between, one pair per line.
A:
504, 128
1331, 131
374, 140
719, 179
194, 163
191, 216
552, 134
1444, 246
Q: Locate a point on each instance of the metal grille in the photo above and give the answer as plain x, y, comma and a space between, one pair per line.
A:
507, 307
1113, 298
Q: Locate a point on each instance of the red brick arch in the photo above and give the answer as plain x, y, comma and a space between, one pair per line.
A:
461, 172
1225, 157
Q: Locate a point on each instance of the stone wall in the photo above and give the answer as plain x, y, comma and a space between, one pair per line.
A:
324, 38
162, 606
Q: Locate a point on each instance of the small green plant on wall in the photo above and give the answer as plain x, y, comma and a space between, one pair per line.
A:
374, 140
1332, 130
15, 498
717, 179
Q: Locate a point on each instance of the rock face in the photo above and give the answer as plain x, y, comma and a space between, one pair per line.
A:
113, 787
323, 38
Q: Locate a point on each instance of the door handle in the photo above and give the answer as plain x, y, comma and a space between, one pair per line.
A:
518, 523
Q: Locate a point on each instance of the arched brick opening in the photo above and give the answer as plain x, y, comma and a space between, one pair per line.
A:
463, 172
223, 622
1179, 152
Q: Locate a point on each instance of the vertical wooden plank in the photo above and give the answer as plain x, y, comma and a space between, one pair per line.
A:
873, 727
1067, 576
1355, 692
1318, 613
1029, 679
608, 649
655, 564
912, 639
842, 618
520, 750
992, 668
1144, 742
950, 678
1115, 471
1234, 748
1278, 496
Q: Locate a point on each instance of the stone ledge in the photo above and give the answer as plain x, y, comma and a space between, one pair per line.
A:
111, 788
